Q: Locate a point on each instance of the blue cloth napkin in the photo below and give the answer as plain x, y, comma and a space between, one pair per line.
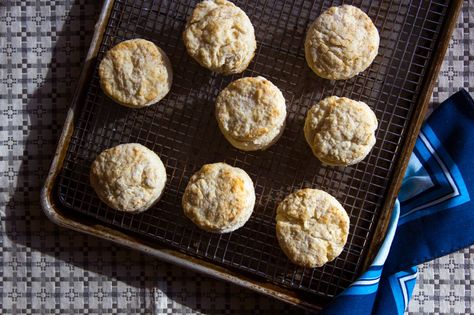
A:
433, 216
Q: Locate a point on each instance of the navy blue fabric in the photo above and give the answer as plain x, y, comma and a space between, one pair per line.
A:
447, 231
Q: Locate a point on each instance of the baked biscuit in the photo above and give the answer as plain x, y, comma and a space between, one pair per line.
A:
251, 113
129, 177
341, 43
135, 73
340, 131
219, 198
220, 37
311, 227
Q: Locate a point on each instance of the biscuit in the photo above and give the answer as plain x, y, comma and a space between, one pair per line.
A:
311, 227
135, 73
219, 198
220, 37
129, 177
340, 131
341, 43
251, 113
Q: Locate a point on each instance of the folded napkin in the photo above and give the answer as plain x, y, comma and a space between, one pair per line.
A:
433, 216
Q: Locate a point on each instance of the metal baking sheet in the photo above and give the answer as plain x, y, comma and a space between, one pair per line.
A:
183, 131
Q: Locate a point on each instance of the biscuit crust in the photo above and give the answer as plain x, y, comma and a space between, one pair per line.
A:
311, 227
136, 73
340, 131
128, 177
342, 42
251, 113
219, 198
220, 37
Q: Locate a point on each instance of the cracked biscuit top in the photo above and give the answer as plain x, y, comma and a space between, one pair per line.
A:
251, 113
311, 227
219, 198
135, 73
340, 131
341, 43
220, 37
128, 177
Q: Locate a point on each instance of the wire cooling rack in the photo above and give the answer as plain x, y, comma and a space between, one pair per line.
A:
183, 131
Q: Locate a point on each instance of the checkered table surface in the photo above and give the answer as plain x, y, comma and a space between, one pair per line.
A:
48, 270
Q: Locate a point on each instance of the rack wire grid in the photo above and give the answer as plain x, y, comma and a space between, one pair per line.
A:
183, 131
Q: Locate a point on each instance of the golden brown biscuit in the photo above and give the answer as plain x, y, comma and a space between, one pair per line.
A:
251, 113
219, 198
220, 37
311, 227
135, 73
340, 131
128, 177
341, 43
